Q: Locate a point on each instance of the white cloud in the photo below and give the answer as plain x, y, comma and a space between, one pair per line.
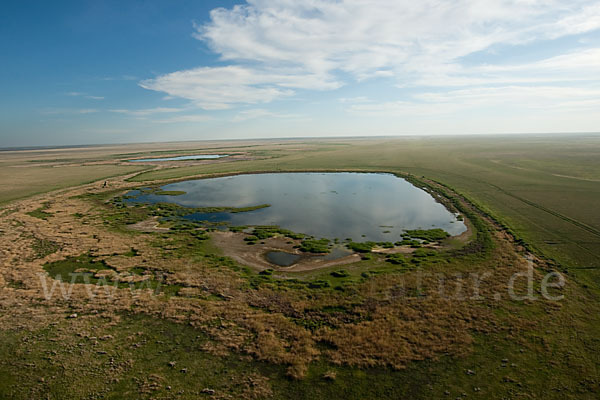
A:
500, 99
375, 37
148, 111
251, 114
260, 113
533, 97
59, 111
87, 96
576, 66
352, 100
184, 119
276, 47
218, 88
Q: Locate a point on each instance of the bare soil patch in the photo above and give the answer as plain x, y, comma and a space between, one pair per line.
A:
233, 245
149, 225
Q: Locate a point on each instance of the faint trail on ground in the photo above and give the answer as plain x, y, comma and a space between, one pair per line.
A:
573, 221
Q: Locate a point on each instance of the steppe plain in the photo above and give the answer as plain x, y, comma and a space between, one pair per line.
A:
191, 319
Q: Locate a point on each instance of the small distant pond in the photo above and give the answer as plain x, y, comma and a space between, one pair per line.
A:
183, 158
360, 206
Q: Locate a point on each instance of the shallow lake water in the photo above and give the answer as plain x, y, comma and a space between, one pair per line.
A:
282, 258
360, 206
183, 158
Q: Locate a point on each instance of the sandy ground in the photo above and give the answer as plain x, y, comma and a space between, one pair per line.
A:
149, 225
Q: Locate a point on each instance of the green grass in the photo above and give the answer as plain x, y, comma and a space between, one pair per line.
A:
18, 183
82, 269
361, 247
40, 213
315, 246
431, 235
170, 193
62, 361
43, 247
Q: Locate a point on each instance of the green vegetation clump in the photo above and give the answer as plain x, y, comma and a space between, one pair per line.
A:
40, 212
430, 235
79, 269
319, 284
192, 228
315, 246
170, 193
424, 253
245, 209
340, 273
200, 235
409, 242
43, 247
267, 231
361, 247
292, 235
396, 259
131, 253
366, 247
251, 239
84, 269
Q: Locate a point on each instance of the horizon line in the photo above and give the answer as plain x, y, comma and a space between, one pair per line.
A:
397, 136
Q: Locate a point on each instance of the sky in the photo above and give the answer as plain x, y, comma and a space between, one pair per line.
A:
93, 71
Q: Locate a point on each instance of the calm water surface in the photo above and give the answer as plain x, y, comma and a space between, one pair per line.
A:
182, 158
282, 258
360, 206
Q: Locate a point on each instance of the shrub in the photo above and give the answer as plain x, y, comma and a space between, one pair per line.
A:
424, 253
319, 284
265, 232
431, 235
361, 247
396, 259
340, 274
315, 246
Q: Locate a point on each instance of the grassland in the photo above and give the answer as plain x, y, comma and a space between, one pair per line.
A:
20, 181
376, 328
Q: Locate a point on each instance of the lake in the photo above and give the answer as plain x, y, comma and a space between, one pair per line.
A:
360, 206
183, 158
282, 258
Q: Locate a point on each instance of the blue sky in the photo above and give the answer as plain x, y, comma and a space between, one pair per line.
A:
83, 72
